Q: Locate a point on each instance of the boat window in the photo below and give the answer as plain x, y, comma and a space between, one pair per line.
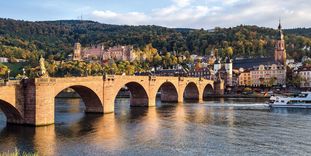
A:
282, 101
303, 95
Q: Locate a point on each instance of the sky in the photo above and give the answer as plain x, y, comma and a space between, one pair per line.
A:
206, 14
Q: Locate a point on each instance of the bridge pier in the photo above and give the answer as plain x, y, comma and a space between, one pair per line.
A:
180, 99
108, 106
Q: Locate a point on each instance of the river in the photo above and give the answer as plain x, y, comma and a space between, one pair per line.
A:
214, 127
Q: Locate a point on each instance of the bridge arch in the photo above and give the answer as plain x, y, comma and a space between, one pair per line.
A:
12, 114
208, 90
90, 98
191, 91
138, 94
169, 92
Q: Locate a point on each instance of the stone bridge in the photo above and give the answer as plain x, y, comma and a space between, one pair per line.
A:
31, 101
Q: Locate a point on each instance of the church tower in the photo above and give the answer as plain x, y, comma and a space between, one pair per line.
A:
77, 52
280, 52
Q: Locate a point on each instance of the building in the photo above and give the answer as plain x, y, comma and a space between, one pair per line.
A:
217, 65
229, 71
305, 75
224, 70
4, 59
94, 52
305, 58
280, 52
268, 75
250, 63
77, 52
295, 66
245, 78
235, 77
204, 72
120, 53
171, 72
98, 52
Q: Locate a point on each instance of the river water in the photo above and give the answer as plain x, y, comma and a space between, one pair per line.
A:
214, 127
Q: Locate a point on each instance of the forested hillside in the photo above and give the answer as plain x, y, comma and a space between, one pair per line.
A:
55, 39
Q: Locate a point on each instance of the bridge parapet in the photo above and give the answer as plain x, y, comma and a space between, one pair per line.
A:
11, 82
109, 77
45, 81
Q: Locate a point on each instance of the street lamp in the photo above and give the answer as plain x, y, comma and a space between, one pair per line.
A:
24, 73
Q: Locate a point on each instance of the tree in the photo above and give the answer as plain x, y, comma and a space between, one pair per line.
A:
52, 68
272, 81
130, 69
229, 51
296, 80
3, 70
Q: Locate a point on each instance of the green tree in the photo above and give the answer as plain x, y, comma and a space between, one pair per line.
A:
229, 51
3, 70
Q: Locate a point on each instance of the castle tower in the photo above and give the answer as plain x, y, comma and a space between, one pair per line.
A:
77, 52
217, 65
280, 52
228, 67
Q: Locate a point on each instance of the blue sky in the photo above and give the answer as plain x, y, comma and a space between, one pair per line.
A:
170, 13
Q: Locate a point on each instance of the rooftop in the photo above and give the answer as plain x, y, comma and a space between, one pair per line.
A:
250, 63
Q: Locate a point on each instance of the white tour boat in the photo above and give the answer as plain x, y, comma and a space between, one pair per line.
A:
303, 100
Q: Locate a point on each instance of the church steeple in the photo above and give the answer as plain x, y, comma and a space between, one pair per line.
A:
280, 35
280, 52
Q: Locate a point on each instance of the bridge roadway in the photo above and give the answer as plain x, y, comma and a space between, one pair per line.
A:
31, 101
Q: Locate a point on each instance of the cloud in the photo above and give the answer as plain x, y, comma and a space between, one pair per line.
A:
182, 3
211, 13
130, 18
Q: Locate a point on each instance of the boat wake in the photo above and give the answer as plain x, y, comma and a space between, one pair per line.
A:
239, 106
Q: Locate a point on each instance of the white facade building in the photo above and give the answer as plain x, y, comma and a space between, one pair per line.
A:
267, 74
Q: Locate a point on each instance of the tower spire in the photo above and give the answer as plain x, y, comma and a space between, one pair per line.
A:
280, 26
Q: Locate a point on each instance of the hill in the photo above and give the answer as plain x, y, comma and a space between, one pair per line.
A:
55, 39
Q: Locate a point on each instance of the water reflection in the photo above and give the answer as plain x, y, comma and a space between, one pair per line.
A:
215, 127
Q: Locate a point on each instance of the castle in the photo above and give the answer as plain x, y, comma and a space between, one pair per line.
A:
98, 52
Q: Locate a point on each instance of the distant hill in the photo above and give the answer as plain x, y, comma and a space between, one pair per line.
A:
55, 39
299, 31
